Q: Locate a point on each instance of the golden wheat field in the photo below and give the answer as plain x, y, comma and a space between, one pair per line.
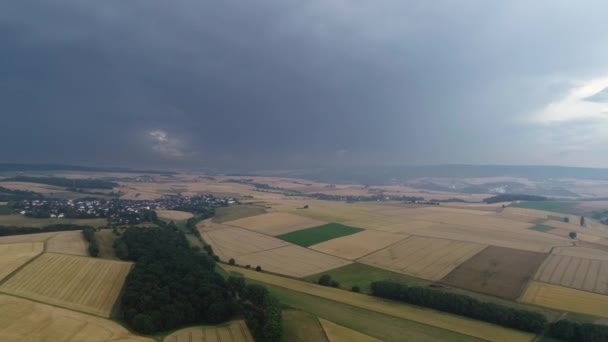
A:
80, 283
68, 243
292, 260
338, 333
423, 257
175, 215
357, 245
25, 320
566, 299
232, 242
275, 223
27, 237
234, 331
13, 256
438, 319
517, 239
524, 214
575, 272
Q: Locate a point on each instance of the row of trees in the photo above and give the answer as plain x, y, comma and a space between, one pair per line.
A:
89, 235
571, 331
15, 230
513, 198
461, 305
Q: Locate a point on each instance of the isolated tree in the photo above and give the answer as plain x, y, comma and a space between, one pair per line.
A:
231, 261
572, 235
566, 219
325, 280
258, 268
582, 221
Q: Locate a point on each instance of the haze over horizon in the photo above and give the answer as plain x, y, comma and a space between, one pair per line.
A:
289, 84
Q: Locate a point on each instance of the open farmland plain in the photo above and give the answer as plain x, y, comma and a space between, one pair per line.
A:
68, 242
338, 333
80, 283
174, 215
566, 299
13, 256
231, 242
433, 318
234, 331
358, 245
576, 270
25, 320
422, 257
276, 223
498, 271
312, 236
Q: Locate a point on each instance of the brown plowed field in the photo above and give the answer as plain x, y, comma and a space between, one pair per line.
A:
498, 271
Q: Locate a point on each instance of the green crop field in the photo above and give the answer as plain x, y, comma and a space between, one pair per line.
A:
381, 326
544, 205
236, 212
5, 210
541, 228
312, 236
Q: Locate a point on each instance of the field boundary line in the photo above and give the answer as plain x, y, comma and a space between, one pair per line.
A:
381, 249
404, 311
10, 275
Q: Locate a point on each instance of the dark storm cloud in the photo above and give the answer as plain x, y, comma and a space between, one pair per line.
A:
278, 84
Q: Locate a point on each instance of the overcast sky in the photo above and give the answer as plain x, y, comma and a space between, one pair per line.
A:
293, 84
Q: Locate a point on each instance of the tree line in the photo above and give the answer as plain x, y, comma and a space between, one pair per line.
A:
566, 330
513, 198
89, 235
9, 195
461, 305
15, 230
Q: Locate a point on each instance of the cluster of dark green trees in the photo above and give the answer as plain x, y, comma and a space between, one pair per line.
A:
89, 235
173, 285
7, 195
326, 280
13, 230
461, 305
65, 182
513, 197
571, 331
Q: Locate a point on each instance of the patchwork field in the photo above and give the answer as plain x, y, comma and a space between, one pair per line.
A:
300, 326
80, 283
24, 320
431, 318
312, 236
276, 223
175, 215
358, 245
577, 272
234, 331
498, 271
544, 205
292, 260
423, 257
68, 243
338, 333
232, 242
235, 212
517, 239
566, 299
13, 256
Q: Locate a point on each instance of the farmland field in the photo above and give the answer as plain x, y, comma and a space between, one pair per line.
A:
498, 271
234, 331
27, 237
358, 245
24, 221
312, 236
338, 333
300, 326
24, 320
105, 239
232, 242
174, 215
292, 260
406, 312
423, 257
71, 242
12, 256
236, 212
544, 205
589, 274
541, 228
275, 223
79, 283
566, 299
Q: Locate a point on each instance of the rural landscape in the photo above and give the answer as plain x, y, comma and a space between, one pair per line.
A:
187, 256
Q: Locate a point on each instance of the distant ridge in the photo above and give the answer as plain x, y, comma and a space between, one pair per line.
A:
14, 167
